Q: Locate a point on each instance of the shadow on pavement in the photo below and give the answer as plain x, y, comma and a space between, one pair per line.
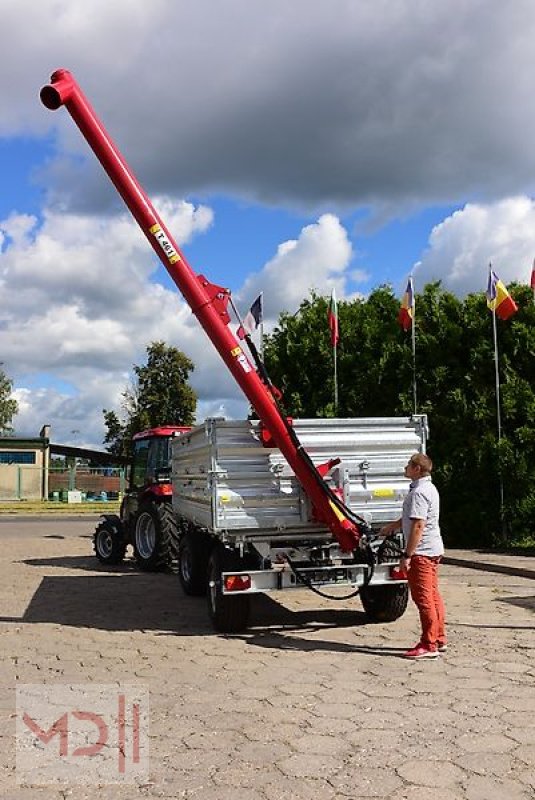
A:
88, 563
521, 602
128, 600
279, 641
125, 601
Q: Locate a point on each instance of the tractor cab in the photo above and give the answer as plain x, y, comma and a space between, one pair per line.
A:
150, 470
151, 463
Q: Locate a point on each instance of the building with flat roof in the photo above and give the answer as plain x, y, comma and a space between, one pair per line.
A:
24, 466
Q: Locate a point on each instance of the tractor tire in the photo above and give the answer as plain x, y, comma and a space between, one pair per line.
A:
229, 614
193, 557
384, 603
109, 540
155, 537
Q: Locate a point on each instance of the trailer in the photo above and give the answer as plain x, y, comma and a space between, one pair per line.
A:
267, 505
246, 525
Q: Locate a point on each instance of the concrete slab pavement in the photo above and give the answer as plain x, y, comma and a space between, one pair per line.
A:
489, 561
309, 702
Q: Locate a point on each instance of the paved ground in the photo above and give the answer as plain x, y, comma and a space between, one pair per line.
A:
310, 703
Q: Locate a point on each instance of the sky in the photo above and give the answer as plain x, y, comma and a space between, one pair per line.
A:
289, 146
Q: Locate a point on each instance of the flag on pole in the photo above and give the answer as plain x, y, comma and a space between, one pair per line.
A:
498, 298
333, 319
406, 312
253, 318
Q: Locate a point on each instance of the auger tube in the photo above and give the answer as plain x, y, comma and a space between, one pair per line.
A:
207, 301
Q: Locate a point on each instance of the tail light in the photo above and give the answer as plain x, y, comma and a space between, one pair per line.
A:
398, 574
237, 583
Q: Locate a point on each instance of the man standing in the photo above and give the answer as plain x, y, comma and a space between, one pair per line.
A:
424, 549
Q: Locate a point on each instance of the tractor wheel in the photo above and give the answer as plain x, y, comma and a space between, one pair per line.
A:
155, 537
229, 614
193, 556
384, 603
108, 540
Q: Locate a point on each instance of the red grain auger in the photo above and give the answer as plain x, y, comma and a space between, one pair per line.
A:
249, 539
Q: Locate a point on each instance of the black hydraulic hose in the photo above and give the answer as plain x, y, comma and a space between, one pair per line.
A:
358, 520
305, 582
373, 560
260, 366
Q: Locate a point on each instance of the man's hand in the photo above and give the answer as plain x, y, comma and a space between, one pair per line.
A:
405, 564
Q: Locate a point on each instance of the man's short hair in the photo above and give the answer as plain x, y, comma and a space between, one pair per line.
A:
423, 461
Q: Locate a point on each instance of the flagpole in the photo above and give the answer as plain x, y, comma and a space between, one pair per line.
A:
497, 382
497, 371
413, 340
262, 327
332, 316
335, 348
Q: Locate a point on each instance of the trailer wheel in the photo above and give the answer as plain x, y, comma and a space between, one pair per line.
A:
193, 556
108, 540
155, 537
384, 603
229, 614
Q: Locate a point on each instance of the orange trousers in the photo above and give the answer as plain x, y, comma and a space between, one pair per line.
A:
423, 585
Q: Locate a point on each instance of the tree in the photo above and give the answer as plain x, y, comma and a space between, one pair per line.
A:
456, 389
159, 395
8, 404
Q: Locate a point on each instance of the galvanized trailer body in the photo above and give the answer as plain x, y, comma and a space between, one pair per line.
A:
225, 482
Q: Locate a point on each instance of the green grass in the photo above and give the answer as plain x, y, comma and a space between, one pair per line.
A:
48, 507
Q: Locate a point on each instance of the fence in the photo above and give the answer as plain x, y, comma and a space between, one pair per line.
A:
25, 482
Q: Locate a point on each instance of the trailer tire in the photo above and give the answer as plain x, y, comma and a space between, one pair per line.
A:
193, 557
384, 603
228, 614
109, 541
155, 537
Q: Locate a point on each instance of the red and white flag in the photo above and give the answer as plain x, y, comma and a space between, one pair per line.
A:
332, 316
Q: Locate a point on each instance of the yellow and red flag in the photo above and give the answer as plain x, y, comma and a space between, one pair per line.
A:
498, 298
406, 312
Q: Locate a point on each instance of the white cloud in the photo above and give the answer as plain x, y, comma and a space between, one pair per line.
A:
359, 275
83, 318
81, 304
317, 260
461, 247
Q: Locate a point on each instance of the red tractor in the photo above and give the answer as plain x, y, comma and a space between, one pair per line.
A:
146, 516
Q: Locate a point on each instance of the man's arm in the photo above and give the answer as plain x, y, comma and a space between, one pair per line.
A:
416, 532
391, 527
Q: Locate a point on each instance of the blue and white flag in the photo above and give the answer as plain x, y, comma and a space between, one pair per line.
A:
253, 318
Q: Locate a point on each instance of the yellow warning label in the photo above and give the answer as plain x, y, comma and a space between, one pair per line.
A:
383, 493
235, 351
